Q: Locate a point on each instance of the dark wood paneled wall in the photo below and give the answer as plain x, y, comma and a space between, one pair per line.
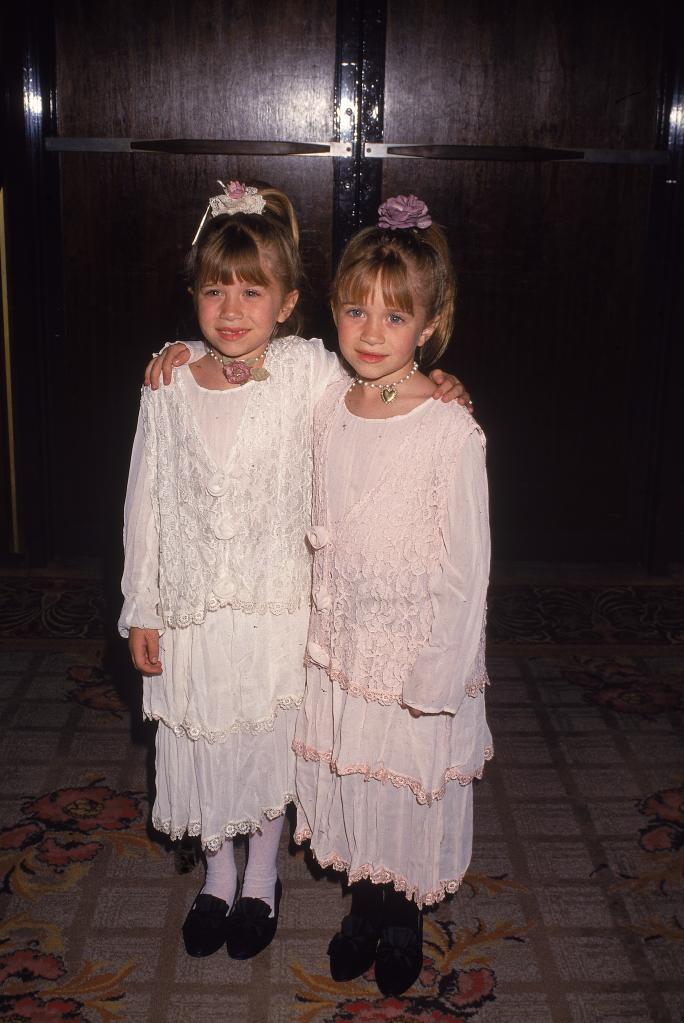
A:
553, 320
566, 319
178, 69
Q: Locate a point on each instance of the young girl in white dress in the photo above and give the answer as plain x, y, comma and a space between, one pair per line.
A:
217, 576
392, 730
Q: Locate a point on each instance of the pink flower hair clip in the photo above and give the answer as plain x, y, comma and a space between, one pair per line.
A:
402, 212
236, 198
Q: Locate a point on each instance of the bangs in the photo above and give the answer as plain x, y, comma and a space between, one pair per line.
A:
357, 282
225, 260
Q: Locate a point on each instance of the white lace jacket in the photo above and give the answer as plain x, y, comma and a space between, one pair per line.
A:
233, 534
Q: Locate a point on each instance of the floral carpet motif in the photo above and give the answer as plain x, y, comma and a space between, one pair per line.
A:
573, 908
625, 685
450, 986
587, 614
51, 607
61, 832
34, 984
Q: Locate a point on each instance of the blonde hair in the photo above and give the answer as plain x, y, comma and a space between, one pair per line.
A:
411, 265
260, 248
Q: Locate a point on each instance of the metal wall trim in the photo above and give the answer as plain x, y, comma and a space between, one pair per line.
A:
201, 147
515, 154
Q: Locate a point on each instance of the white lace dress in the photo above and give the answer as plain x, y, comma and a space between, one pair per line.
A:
382, 794
227, 700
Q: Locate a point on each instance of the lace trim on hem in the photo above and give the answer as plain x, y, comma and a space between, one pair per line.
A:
176, 620
383, 696
355, 688
245, 727
231, 830
381, 875
383, 774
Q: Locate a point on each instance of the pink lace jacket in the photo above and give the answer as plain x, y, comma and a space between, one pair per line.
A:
373, 572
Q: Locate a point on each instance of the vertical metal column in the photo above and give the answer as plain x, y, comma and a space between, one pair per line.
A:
33, 251
663, 322
358, 114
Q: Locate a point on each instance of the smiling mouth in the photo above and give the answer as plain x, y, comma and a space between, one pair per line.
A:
231, 335
370, 357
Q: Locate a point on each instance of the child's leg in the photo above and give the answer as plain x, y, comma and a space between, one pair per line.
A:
366, 900
399, 958
221, 880
398, 910
252, 926
204, 930
352, 949
261, 872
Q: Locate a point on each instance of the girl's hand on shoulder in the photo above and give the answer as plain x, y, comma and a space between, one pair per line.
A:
143, 645
163, 364
450, 388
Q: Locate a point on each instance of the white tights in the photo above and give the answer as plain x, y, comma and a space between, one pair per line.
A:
261, 871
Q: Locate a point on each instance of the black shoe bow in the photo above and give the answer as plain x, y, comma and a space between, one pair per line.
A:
251, 927
352, 949
204, 930
399, 958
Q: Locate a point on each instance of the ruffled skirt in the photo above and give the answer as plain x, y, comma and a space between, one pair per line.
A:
224, 789
226, 706
387, 796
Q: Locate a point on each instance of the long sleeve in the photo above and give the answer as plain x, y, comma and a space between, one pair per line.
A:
140, 582
196, 348
326, 369
450, 661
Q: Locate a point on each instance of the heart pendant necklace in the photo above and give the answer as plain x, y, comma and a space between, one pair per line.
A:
388, 392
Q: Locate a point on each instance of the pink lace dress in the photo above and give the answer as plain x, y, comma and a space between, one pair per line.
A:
382, 794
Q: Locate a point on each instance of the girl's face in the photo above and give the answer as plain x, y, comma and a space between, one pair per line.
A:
238, 319
379, 342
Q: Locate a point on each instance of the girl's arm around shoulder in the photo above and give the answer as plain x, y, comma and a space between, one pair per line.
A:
325, 366
172, 355
450, 668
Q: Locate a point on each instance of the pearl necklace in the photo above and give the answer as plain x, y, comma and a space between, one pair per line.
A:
388, 392
239, 371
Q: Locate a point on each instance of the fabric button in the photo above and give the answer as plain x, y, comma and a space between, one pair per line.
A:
317, 654
322, 600
318, 536
224, 528
217, 484
224, 587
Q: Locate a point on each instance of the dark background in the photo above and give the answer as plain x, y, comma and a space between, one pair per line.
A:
567, 328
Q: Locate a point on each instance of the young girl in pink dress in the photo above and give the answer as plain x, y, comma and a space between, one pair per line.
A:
392, 730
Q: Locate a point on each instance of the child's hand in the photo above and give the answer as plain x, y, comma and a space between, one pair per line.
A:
163, 364
143, 645
450, 387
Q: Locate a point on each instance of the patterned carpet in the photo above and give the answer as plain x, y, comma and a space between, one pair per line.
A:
572, 910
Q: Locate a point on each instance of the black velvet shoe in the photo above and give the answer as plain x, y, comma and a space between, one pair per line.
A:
204, 930
352, 949
250, 927
399, 958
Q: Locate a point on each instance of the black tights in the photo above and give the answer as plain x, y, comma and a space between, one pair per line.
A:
380, 902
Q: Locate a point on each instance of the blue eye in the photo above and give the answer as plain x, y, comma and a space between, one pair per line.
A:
252, 293
354, 313
395, 318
